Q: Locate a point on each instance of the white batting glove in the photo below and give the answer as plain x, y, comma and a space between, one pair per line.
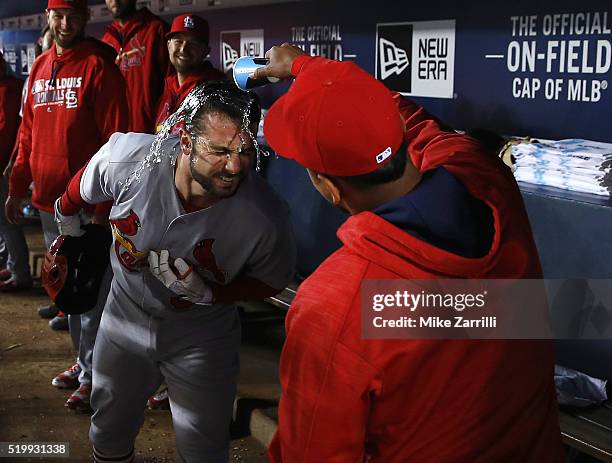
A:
184, 282
67, 224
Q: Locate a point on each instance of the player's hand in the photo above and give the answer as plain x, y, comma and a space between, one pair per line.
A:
281, 59
67, 224
12, 208
182, 280
8, 169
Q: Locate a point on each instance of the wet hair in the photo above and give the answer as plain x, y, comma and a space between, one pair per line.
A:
220, 96
389, 172
223, 97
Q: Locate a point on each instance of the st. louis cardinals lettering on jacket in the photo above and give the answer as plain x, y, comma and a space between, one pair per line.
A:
75, 102
247, 234
142, 56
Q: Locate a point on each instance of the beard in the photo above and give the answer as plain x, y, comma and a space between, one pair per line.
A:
209, 185
186, 68
68, 42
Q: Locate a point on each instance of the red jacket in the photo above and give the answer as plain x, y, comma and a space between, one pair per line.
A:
142, 56
349, 400
10, 102
174, 94
75, 102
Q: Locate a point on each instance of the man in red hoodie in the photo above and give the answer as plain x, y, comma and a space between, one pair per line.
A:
425, 203
75, 102
138, 36
188, 49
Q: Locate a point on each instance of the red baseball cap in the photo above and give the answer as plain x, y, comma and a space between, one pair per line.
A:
335, 119
190, 23
80, 5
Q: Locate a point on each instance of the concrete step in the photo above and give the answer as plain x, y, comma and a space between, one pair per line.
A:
263, 424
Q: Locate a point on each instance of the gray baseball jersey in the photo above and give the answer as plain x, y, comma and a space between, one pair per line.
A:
247, 233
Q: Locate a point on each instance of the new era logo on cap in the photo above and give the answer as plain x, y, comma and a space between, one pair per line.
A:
188, 22
384, 155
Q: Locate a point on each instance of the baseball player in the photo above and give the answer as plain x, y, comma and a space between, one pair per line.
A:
138, 37
76, 100
194, 231
187, 47
425, 203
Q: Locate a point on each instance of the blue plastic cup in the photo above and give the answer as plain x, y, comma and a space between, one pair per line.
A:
244, 67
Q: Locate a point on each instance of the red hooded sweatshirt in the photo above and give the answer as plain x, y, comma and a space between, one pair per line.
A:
142, 56
174, 94
346, 399
75, 102
10, 102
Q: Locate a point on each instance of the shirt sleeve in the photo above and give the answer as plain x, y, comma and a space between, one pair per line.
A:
431, 143
91, 184
274, 258
327, 392
21, 175
9, 125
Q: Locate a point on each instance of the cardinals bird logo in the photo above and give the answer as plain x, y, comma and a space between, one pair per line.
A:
203, 254
127, 253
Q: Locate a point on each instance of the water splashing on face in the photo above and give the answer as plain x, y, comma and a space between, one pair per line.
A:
186, 113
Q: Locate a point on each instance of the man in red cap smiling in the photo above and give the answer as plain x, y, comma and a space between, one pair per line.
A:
138, 37
425, 203
188, 49
75, 102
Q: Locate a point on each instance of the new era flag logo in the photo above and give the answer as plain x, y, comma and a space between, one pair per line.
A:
234, 44
417, 58
393, 60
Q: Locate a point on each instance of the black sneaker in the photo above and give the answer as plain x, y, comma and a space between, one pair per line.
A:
60, 322
48, 311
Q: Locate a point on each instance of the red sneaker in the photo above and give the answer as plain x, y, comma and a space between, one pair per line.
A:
68, 379
159, 401
79, 399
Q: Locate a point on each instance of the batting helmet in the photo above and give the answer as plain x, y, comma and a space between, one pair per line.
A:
74, 267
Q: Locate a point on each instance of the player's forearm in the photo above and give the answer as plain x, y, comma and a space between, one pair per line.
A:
71, 201
242, 288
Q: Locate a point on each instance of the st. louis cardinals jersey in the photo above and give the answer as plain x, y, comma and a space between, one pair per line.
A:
248, 233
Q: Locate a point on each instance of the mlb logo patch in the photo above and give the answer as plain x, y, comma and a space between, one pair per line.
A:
188, 22
384, 155
417, 58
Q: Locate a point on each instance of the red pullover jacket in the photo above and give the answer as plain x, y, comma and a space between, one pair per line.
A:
75, 102
349, 400
142, 56
174, 94
10, 102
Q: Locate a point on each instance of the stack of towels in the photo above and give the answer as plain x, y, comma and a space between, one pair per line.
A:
577, 165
